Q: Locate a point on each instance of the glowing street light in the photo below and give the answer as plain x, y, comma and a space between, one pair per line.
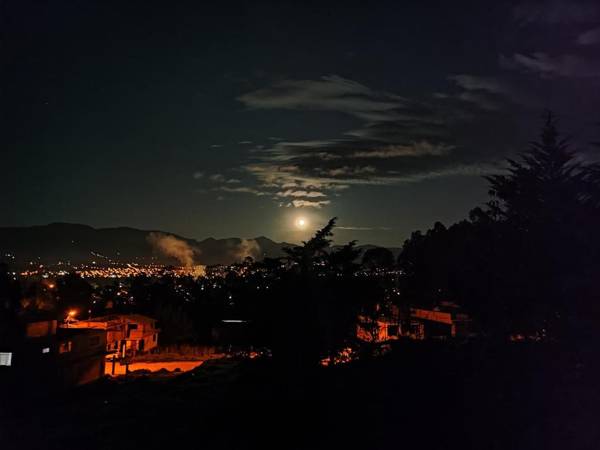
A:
70, 316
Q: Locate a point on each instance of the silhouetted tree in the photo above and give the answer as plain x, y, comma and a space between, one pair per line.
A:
545, 186
314, 251
313, 307
73, 293
10, 294
548, 205
378, 258
523, 263
343, 259
38, 297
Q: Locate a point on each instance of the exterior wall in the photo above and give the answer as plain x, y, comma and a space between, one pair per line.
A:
424, 323
417, 330
113, 339
81, 355
32, 345
79, 372
437, 330
40, 329
440, 323
431, 315
126, 333
44, 357
145, 336
379, 331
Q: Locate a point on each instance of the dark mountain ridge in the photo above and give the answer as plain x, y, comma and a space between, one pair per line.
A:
80, 244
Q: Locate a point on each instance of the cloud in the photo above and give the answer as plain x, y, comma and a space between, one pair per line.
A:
245, 142
173, 247
292, 193
198, 175
216, 146
590, 37
566, 65
489, 93
398, 140
349, 171
309, 204
554, 12
364, 228
471, 169
329, 93
220, 178
241, 190
416, 149
217, 177
388, 165
476, 83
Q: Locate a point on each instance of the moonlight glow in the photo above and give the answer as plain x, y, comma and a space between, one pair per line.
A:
301, 223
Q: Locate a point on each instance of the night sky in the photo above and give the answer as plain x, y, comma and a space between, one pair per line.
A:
235, 120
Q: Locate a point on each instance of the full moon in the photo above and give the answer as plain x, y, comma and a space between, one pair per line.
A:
301, 223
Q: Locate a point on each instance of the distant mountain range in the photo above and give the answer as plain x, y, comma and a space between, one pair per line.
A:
77, 244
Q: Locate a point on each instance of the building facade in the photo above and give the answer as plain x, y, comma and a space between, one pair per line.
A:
440, 322
35, 353
126, 334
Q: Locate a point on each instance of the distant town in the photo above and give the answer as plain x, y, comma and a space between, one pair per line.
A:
109, 336
111, 270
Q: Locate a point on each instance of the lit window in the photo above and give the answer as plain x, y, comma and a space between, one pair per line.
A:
5, 359
46, 350
65, 347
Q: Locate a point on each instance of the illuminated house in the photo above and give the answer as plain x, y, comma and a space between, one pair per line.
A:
126, 334
27, 349
381, 329
34, 351
441, 322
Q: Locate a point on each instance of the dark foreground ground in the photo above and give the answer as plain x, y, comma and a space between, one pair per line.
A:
421, 396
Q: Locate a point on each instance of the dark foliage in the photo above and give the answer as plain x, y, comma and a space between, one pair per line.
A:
526, 262
378, 258
312, 310
10, 294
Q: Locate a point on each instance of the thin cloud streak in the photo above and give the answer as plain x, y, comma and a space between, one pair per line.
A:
400, 140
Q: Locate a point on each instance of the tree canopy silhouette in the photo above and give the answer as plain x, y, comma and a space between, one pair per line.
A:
524, 263
378, 258
314, 250
313, 307
547, 185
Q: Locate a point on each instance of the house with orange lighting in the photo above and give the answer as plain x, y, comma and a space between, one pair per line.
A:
443, 321
126, 334
380, 329
35, 352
